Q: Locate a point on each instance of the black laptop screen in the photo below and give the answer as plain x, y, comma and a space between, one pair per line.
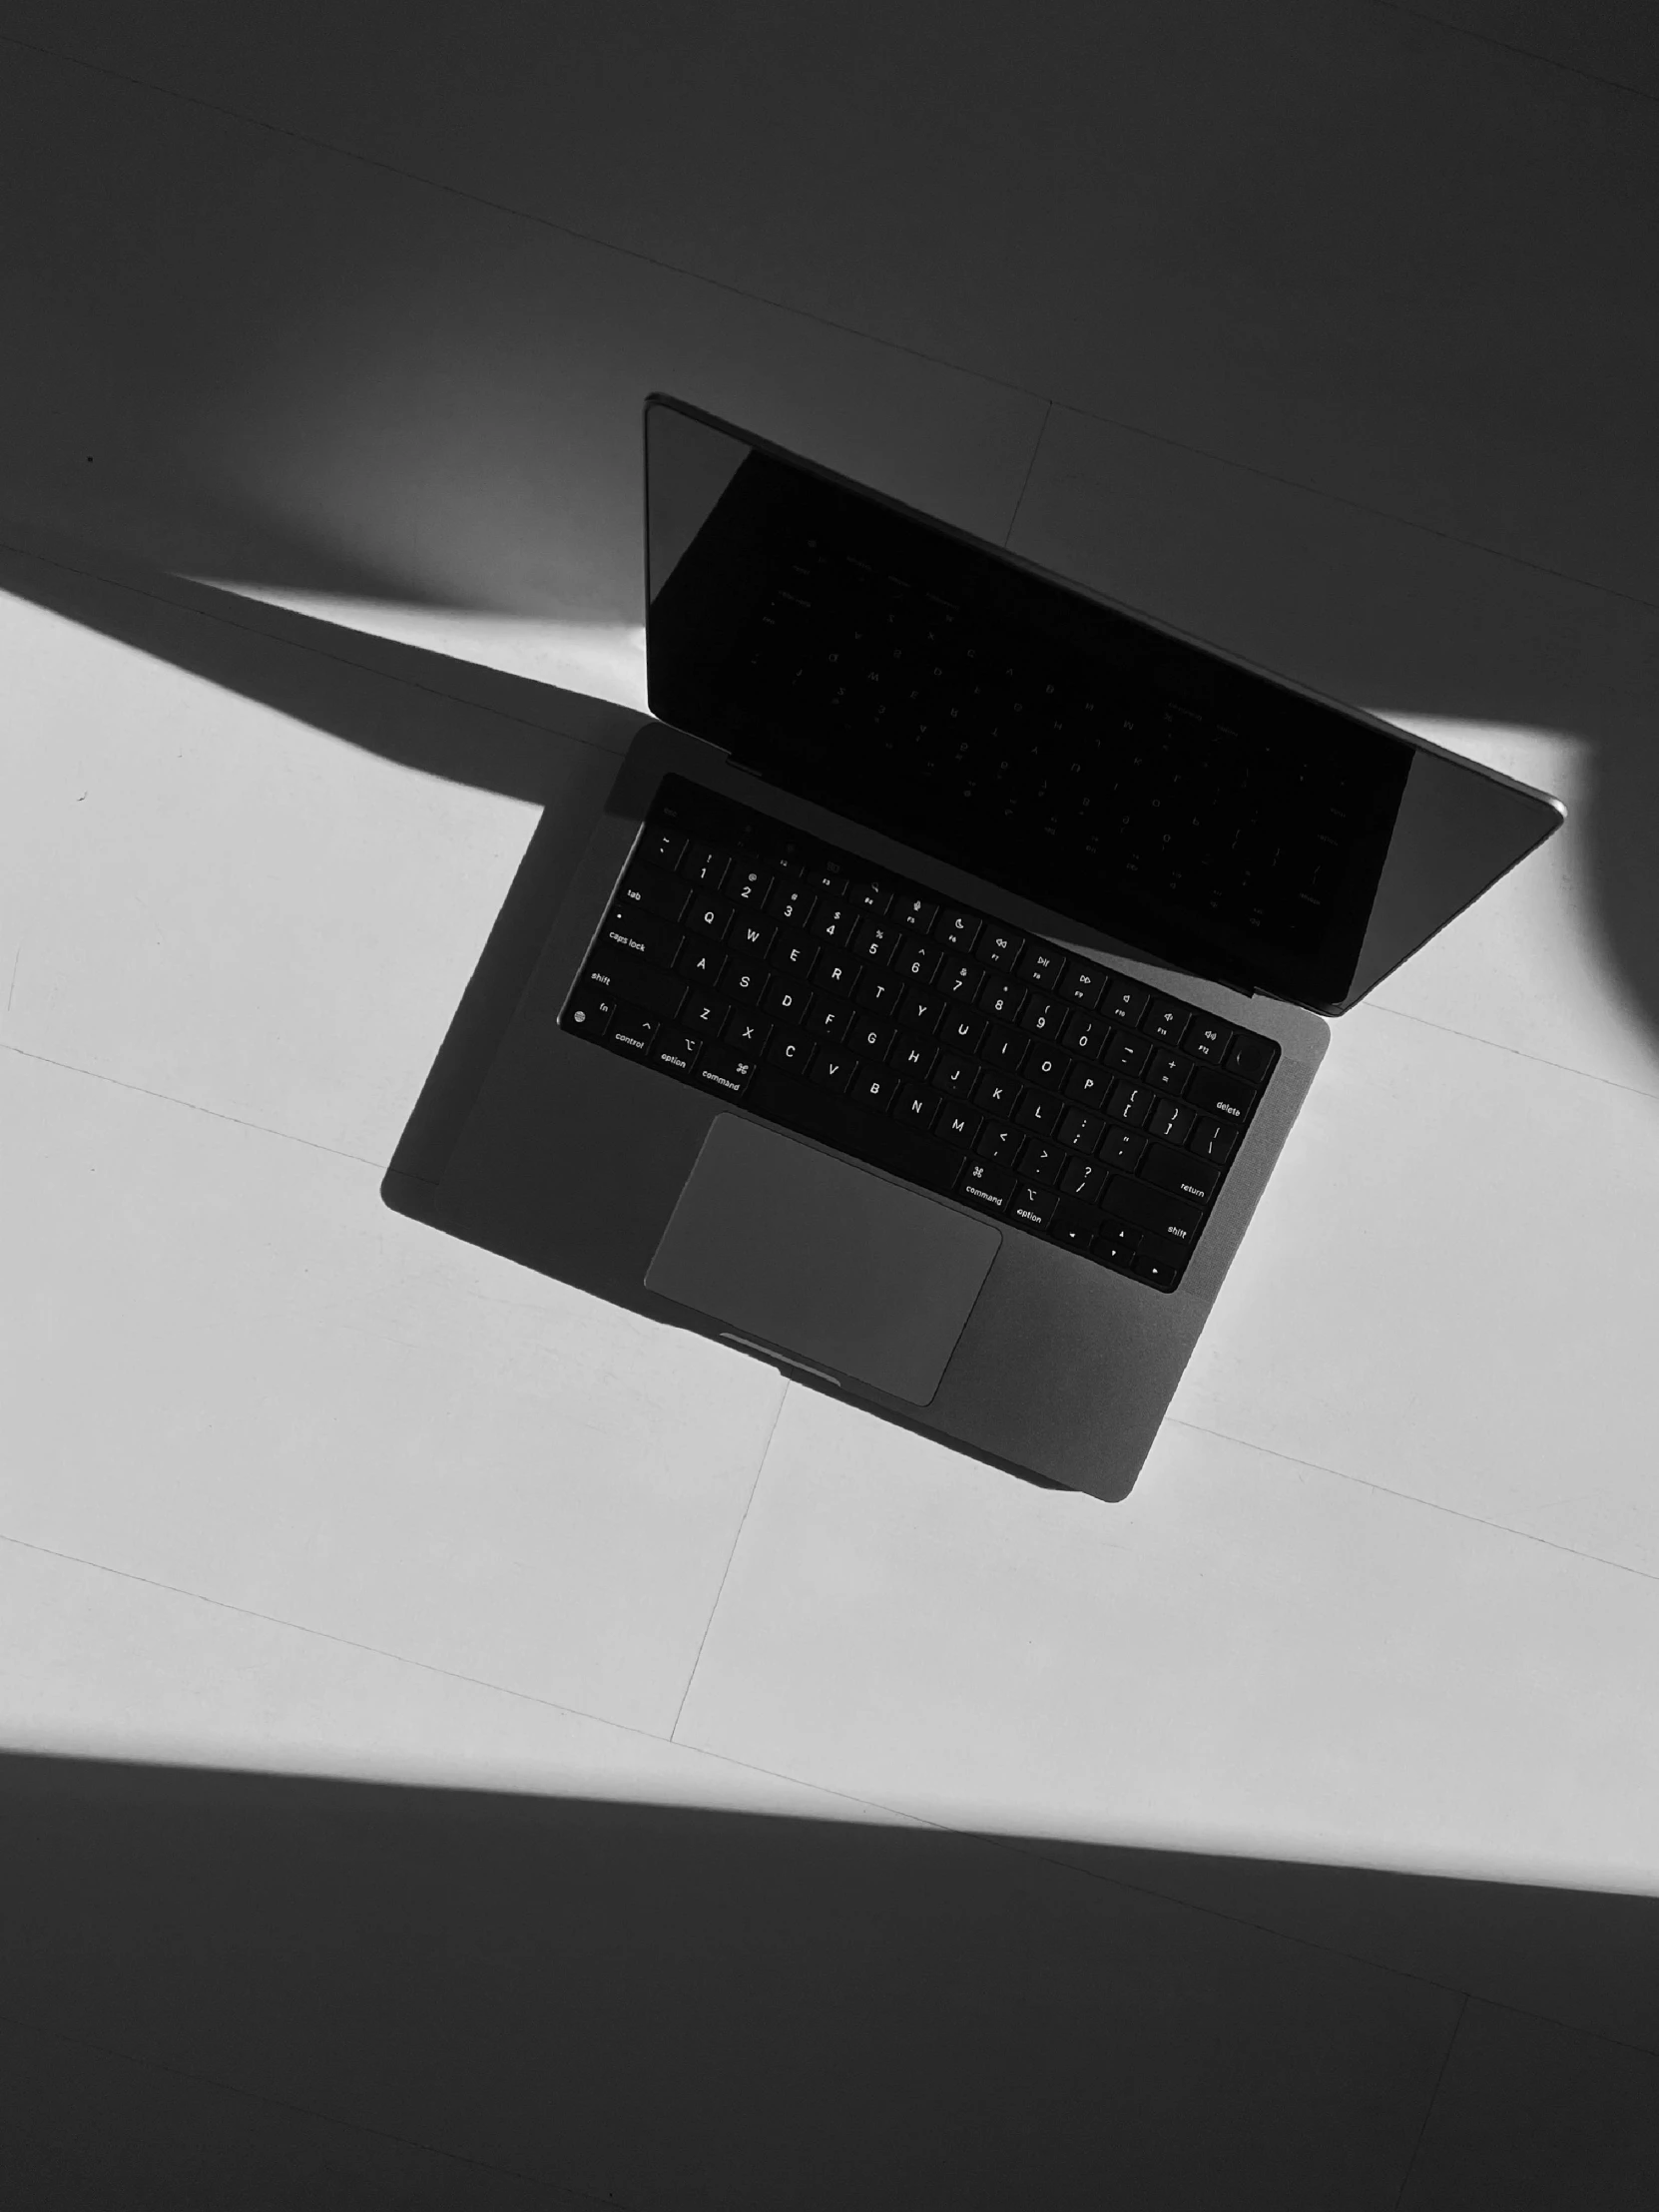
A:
942, 694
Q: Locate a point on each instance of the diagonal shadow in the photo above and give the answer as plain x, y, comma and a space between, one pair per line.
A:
313, 369
657, 2006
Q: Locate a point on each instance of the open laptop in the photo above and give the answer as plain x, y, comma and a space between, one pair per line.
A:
948, 967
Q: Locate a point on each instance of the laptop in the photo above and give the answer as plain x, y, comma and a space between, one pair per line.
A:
948, 967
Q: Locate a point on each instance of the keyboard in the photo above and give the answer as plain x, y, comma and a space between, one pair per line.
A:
930, 1040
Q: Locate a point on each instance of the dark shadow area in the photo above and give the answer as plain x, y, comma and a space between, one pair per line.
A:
359, 347
662, 2007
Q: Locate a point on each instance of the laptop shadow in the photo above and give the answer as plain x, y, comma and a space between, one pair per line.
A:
650, 2005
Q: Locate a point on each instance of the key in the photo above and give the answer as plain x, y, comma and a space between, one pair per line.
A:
958, 928
871, 1041
876, 1088
786, 1000
1125, 1001
1001, 1048
662, 848
647, 891
873, 941
1088, 1086
1180, 1174
1083, 1179
958, 1126
1126, 1052
1224, 1095
825, 1019
1000, 949
795, 957
1080, 1129
748, 885
700, 961
1085, 983
1167, 1119
1042, 965
1043, 1017
921, 1010
791, 904
725, 1070
833, 1067
913, 1057
1207, 1039
1152, 1209
676, 1049
1167, 1071
1121, 1147
632, 1031
834, 973
589, 1010
702, 865
984, 1184
1117, 1244
999, 1144
996, 1093
709, 918
1003, 999
963, 1032
746, 1032
1129, 1102
628, 979
752, 939
1165, 1023
1074, 1224
1032, 1206
955, 1073
791, 1050
961, 979
1084, 1034
1046, 1068
880, 994
835, 920
916, 1105
1042, 1163
1159, 1263
703, 1013
1039, 1110
1250, 1057
642, 936
1211, 1141
915, 914
745, 984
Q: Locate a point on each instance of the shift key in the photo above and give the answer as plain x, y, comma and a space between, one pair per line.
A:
633, 980
1150, 1209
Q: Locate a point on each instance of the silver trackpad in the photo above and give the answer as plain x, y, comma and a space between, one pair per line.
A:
818, 1258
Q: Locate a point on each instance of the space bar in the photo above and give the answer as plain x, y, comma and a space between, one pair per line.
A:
811, 1112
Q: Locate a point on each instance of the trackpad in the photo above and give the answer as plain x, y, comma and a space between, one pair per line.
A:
818, 1258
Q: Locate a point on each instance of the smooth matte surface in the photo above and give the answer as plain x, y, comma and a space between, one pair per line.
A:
1332, 336
818, 1258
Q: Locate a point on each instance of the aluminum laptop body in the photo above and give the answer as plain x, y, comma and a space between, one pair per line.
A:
666, 1185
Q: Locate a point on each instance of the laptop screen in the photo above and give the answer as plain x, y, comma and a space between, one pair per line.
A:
946, 695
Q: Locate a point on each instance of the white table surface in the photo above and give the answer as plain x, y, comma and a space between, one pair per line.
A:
294, 1484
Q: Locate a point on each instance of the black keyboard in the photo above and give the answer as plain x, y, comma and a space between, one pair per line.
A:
931, 1040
